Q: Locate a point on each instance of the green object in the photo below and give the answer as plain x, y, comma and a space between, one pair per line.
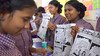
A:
44, 44
44, 35
96, 4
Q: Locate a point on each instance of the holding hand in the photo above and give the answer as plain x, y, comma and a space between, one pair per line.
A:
51, 26
74, 31
41, 51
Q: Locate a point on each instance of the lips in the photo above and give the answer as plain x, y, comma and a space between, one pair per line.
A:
67, 16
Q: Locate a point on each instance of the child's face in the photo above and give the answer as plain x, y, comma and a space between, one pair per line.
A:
52, 9
20, 20
71, 13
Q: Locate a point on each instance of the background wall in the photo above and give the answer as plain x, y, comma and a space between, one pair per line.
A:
93, 10
91, 15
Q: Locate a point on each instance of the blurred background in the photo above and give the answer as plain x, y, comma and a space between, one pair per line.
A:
91, 15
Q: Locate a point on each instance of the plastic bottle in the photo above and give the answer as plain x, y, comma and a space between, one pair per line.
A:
45, 46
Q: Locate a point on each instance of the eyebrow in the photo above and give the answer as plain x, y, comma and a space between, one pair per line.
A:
28, 18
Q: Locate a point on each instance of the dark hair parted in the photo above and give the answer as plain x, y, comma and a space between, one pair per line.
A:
78, 6
40, 9
56, 4
8, 6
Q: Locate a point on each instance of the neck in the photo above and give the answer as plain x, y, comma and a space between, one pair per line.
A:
74, 21
1, 30
54, 14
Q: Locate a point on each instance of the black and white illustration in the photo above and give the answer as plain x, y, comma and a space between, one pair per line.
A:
81, 46
86, 44
63, 40
95, 47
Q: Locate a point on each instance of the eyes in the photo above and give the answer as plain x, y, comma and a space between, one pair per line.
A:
27, 19
50, 7
69, 9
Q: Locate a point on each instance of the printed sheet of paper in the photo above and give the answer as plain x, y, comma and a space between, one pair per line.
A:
84, 43
95, 46
33, 25
43, 26
63, 40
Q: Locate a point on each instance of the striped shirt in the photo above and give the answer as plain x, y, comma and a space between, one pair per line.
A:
24, 42
7, 46
58, 19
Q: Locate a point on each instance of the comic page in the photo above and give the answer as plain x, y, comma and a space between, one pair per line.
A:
63, 40
87, 43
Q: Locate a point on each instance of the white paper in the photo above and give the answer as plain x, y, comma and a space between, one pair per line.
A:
43, 26
33, 25
63, 40
95, 47
83, 43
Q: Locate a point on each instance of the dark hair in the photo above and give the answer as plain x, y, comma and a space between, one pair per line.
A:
40, 9
78, 6
56, 4
8, 6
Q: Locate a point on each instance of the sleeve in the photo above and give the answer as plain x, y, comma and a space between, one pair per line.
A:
98, 25
63, 20
90, 27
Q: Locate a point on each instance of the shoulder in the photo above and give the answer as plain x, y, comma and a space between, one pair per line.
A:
60, 16
86, 24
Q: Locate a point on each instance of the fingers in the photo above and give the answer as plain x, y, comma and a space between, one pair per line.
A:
75, 28
74, 31
34, 32
51, 26
42, 51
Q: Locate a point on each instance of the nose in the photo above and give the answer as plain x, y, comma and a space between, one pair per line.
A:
27, 26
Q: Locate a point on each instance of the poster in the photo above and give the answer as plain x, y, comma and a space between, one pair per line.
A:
96, 4
88, 4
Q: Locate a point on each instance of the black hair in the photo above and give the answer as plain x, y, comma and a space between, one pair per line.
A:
8, 6
78, 6
40, 9
56, 4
